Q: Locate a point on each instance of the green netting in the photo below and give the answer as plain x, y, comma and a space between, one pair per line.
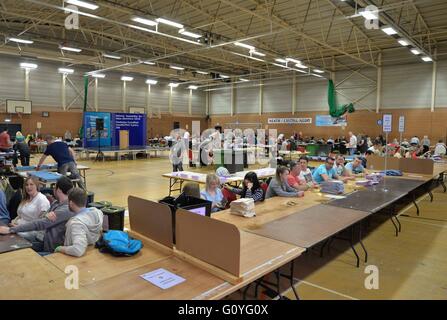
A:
334, 110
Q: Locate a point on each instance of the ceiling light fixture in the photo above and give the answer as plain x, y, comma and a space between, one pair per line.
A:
98, 75
126, 78
318, 71
369, 15
244, 45
257, 53
293, 60
389, 31
173, 85
26, 65
111, 56
403, 42
201, 72
415, 51
189, 34
66, 71
281, 60
193, 87
150, 81
70, 49
84, 4
169, 22
427, 59
176, 68
144, 21
21, 40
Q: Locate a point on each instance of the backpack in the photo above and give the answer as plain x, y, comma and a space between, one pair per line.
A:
118, 243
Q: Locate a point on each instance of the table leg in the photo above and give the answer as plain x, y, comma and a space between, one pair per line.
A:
361, 242
415, 204
351, 242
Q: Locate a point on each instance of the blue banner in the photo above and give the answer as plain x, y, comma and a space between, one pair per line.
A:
90, 132
328, 121
135, 123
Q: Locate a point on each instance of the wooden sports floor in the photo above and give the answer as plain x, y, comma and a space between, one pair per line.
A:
411, 266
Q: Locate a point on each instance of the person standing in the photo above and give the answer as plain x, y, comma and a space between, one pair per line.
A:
65, 158
23, 149
5, 141
352, 145
425, 144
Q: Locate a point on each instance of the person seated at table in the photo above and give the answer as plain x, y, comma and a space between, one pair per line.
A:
84, 228
326, 172
279, 187
251, 188
5, 217
23, 149
341, 169
376, 148
355, 167
65, 158
52, 223
305, 173
293, 179
33, 205
440, 149
213, 193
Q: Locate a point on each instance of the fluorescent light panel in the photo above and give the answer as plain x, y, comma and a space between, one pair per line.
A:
148, 63
176, 68
293, 60
189, 34
318, 71
389, 31
66, 70
70, 49
169, 22
427, 59
244, 80
150, 81
403, 42
98, 75
281, 60
126, 78
111, 56
21, 40
415, 51
26, 65
173, 85
83, 4
202, 72
144, 21
223, 76
244, 45
301, 66
193, 87
257, 53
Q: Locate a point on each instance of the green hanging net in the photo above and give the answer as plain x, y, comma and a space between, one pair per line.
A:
334, 110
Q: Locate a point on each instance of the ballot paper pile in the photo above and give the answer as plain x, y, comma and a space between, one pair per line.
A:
243, 207
376, 177
366, 183
333, 187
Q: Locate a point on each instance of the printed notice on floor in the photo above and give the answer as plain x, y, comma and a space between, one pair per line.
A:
162, 278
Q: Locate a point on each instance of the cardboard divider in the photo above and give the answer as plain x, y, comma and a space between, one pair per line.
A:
378, 163
151, 219
421, 166
211, 244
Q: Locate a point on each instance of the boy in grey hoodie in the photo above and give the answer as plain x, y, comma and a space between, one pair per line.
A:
53, 223
84, 228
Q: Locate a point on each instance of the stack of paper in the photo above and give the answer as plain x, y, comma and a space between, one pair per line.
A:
376, 177
243, 207
333, 187
366, 183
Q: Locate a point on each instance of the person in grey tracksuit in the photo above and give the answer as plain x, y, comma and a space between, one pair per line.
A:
84, 228
53, 223
279, 187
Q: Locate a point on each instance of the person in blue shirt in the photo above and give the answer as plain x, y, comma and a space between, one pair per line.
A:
355, 167
4, 213
64, 156
213, 193
326, 172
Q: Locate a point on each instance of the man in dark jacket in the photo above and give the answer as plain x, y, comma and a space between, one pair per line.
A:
54, 222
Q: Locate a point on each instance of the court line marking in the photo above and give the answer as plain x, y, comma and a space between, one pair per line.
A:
321, 288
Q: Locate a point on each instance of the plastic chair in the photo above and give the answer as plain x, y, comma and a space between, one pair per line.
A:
230, 196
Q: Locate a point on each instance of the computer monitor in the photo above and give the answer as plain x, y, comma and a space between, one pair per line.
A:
200, 211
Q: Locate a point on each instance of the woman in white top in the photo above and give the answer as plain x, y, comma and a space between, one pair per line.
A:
34, 204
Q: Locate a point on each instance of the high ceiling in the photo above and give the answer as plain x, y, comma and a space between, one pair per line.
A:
324, 34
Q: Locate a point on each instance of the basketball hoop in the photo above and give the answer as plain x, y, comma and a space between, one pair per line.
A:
19, 114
